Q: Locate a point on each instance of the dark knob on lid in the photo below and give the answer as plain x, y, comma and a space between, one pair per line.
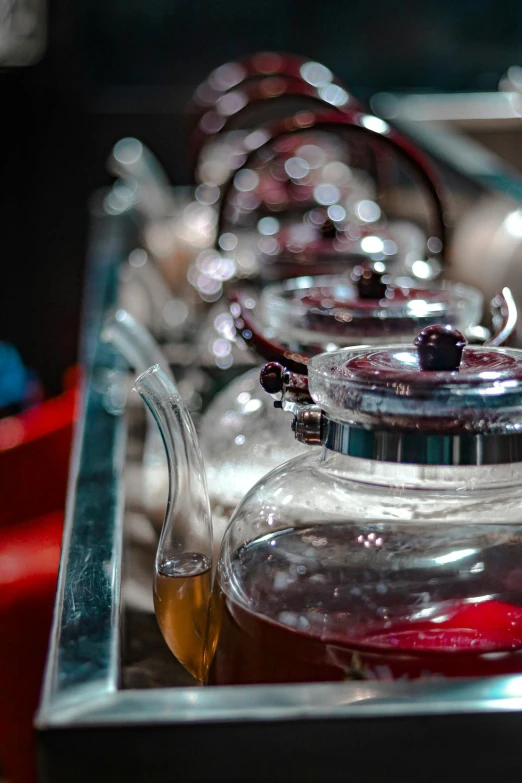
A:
271, 377
439, 348
328, 229
369, 282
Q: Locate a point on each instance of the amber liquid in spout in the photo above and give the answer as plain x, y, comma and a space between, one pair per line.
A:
181, 600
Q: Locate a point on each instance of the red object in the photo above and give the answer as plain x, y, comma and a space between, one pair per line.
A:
29, 557
34, 467
34, 457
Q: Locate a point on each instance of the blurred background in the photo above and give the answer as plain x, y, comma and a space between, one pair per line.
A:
90, 72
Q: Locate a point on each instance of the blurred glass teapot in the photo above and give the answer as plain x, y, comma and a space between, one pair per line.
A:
230, 106
333, 218
333, 236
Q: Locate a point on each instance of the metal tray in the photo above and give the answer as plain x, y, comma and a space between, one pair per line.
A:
90, 727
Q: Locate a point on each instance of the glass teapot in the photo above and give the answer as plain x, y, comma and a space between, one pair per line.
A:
241, 434
392, 553
324, 239
338, 220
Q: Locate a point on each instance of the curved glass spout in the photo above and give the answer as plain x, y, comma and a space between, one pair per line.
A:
140, 350
137, 166
135, 343
182, 581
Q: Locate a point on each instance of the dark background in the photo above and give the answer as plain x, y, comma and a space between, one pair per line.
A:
127, 67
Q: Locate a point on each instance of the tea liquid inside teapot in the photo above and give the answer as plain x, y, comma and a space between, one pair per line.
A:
361, 601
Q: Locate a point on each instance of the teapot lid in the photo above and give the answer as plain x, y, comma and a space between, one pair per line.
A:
366, 305
438, 385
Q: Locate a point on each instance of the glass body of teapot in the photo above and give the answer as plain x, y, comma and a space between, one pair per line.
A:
394, 552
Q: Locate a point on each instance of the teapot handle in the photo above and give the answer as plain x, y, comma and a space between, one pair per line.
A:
216, 119
258, 65
235, 74
359, 123
505, 315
